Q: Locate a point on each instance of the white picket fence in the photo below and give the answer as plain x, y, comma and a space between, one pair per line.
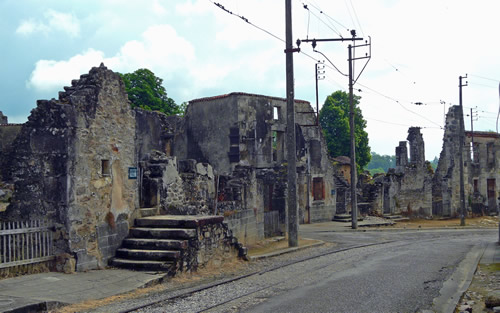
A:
25, 243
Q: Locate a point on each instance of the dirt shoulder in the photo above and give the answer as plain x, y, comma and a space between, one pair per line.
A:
483, 293
475, 222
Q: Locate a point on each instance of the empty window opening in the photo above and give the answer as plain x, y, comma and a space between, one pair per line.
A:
277, 113
318, 188
476, 185
105, 168
490, 153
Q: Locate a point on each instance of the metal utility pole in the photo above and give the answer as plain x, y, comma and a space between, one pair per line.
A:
461, 152
352, 81
472, 134
354, 198
293, 240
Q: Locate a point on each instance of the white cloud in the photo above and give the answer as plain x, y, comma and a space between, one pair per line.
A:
160, 49
54, 21
28, 27
52, 75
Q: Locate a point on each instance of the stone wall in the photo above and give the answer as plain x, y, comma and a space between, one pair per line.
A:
3, 118
446, 180
483, 172
213, 245
244, 226
8, 133
156, 131
407, 189
71, 166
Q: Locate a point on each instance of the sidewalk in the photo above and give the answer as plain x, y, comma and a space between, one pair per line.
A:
46, 291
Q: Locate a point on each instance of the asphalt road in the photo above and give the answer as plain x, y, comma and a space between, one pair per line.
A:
403, 271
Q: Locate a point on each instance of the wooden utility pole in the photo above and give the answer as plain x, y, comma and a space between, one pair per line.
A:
293, 228
461, 152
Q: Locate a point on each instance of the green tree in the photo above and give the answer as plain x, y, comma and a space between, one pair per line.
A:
145, 91
434, 163
383, 162
334, 119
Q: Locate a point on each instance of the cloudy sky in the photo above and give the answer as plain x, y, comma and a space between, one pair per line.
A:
419, 49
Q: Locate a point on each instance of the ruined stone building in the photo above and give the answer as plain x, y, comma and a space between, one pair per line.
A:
407, 189
414, 190
243, 137
92, 165
481, 170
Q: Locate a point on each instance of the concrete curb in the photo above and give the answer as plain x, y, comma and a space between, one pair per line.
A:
284, 251
458, 283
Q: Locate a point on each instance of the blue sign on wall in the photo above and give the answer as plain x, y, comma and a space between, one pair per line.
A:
132, 173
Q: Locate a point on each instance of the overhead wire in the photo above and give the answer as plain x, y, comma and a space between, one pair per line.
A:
349, 11
357, 19
487, 78
332, 27
326, 15
316, 60
400, 104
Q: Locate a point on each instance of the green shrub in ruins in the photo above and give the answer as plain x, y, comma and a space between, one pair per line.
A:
334, 120
145, 90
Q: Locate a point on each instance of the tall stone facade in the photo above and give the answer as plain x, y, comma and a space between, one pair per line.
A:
407, 189
446, 180
70, 162
483, 172
242, 137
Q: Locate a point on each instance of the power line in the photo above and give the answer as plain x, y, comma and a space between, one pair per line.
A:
349, 11
316, 60
398, 102
487, 78
327, 16
264, 30
333, 28
330, 62
220, 6
357, 19
397, 124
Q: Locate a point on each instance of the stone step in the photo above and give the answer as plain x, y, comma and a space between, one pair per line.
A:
177, 221
145, 212
392, 217
162, 233
342, 216
155, 244
155, 255
345, 218
141, 265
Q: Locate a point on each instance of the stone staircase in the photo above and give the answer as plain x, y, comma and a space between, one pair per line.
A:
167, 243
345, 218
